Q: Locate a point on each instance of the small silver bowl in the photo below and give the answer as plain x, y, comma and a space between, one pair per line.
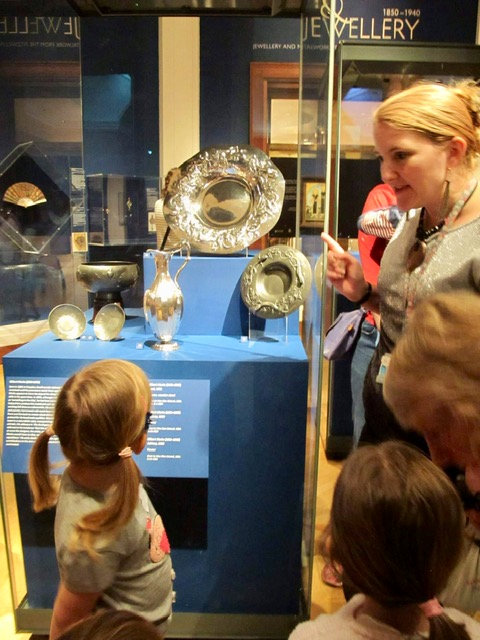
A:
67, 321
109, 322
107, 280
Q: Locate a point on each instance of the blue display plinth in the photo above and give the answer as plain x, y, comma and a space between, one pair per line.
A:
246, 403
212, 300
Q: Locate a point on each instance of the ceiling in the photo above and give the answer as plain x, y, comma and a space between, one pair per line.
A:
265, 8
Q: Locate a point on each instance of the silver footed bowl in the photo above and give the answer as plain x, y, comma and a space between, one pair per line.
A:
107, 276
107, 280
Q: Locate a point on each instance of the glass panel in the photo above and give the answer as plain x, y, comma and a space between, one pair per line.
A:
366, 74
121, 144
312, 180
42, 221
36, 216
359, 77
42, 209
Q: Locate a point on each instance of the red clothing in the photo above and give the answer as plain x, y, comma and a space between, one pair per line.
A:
370, 247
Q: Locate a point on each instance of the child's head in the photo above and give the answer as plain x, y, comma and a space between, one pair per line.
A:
100, 419
100, 410
112, 625
396, 524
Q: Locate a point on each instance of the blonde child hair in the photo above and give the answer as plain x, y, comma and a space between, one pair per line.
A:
100, 413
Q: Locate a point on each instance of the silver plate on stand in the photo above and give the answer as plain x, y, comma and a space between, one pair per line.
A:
109, 322
276, 282
67, 321
224, 198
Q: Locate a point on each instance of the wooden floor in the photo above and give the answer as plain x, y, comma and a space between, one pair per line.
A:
324, 598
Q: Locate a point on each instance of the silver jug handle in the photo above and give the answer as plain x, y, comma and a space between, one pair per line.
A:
184, 244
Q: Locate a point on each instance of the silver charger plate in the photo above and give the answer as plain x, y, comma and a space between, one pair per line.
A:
109, 322
224, 198
67, 321
276, 282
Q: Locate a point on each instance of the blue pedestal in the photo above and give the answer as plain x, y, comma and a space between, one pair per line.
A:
212, 300
246, 571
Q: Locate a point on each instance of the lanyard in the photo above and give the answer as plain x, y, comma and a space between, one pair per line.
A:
412, 284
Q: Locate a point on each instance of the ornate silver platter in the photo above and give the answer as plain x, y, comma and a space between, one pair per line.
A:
276, 282
109, 322
224, 198
67, 321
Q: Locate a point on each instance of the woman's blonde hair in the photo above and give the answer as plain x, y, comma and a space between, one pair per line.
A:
436, 364
99, 411
396, 528
439, 112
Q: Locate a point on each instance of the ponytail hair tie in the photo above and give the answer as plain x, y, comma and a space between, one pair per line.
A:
49, 432
126, 453
431, 608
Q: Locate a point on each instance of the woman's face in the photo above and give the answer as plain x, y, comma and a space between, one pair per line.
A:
450, 442
413, 166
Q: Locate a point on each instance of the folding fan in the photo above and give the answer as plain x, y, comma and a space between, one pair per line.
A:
24, 194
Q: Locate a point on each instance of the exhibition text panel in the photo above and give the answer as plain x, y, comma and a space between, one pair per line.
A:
178, 437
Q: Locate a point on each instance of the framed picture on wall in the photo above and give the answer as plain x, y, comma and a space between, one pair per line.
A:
313, 202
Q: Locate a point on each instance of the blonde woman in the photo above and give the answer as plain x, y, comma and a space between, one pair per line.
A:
111, 545
427, 139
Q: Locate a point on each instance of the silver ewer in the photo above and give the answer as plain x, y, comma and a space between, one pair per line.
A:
163, 301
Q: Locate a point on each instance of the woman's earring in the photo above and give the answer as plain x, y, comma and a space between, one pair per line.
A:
446, 195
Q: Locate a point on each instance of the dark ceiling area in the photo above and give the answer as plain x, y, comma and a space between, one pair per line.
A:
264, 8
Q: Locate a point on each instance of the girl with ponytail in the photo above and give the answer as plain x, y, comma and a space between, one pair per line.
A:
111, 545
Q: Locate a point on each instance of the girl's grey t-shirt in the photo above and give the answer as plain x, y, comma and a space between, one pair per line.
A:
133, 571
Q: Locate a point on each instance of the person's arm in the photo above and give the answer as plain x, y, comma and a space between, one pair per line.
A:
380, 223
346, 275
70, 608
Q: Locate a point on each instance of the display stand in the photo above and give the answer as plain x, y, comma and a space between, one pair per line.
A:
230, 487
275, 330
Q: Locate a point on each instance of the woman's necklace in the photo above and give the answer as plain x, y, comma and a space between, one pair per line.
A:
418, 251
418, 257
422, 233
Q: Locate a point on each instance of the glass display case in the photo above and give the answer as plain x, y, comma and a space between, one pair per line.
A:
41, 216
357, 77
120, 209
363, 76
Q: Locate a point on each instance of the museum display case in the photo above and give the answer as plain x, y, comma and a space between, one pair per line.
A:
226, 452
362, 75
120, 209
353, 78
225, 456
41, 210
230, 486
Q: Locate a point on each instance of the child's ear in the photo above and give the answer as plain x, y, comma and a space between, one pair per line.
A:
139, 443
